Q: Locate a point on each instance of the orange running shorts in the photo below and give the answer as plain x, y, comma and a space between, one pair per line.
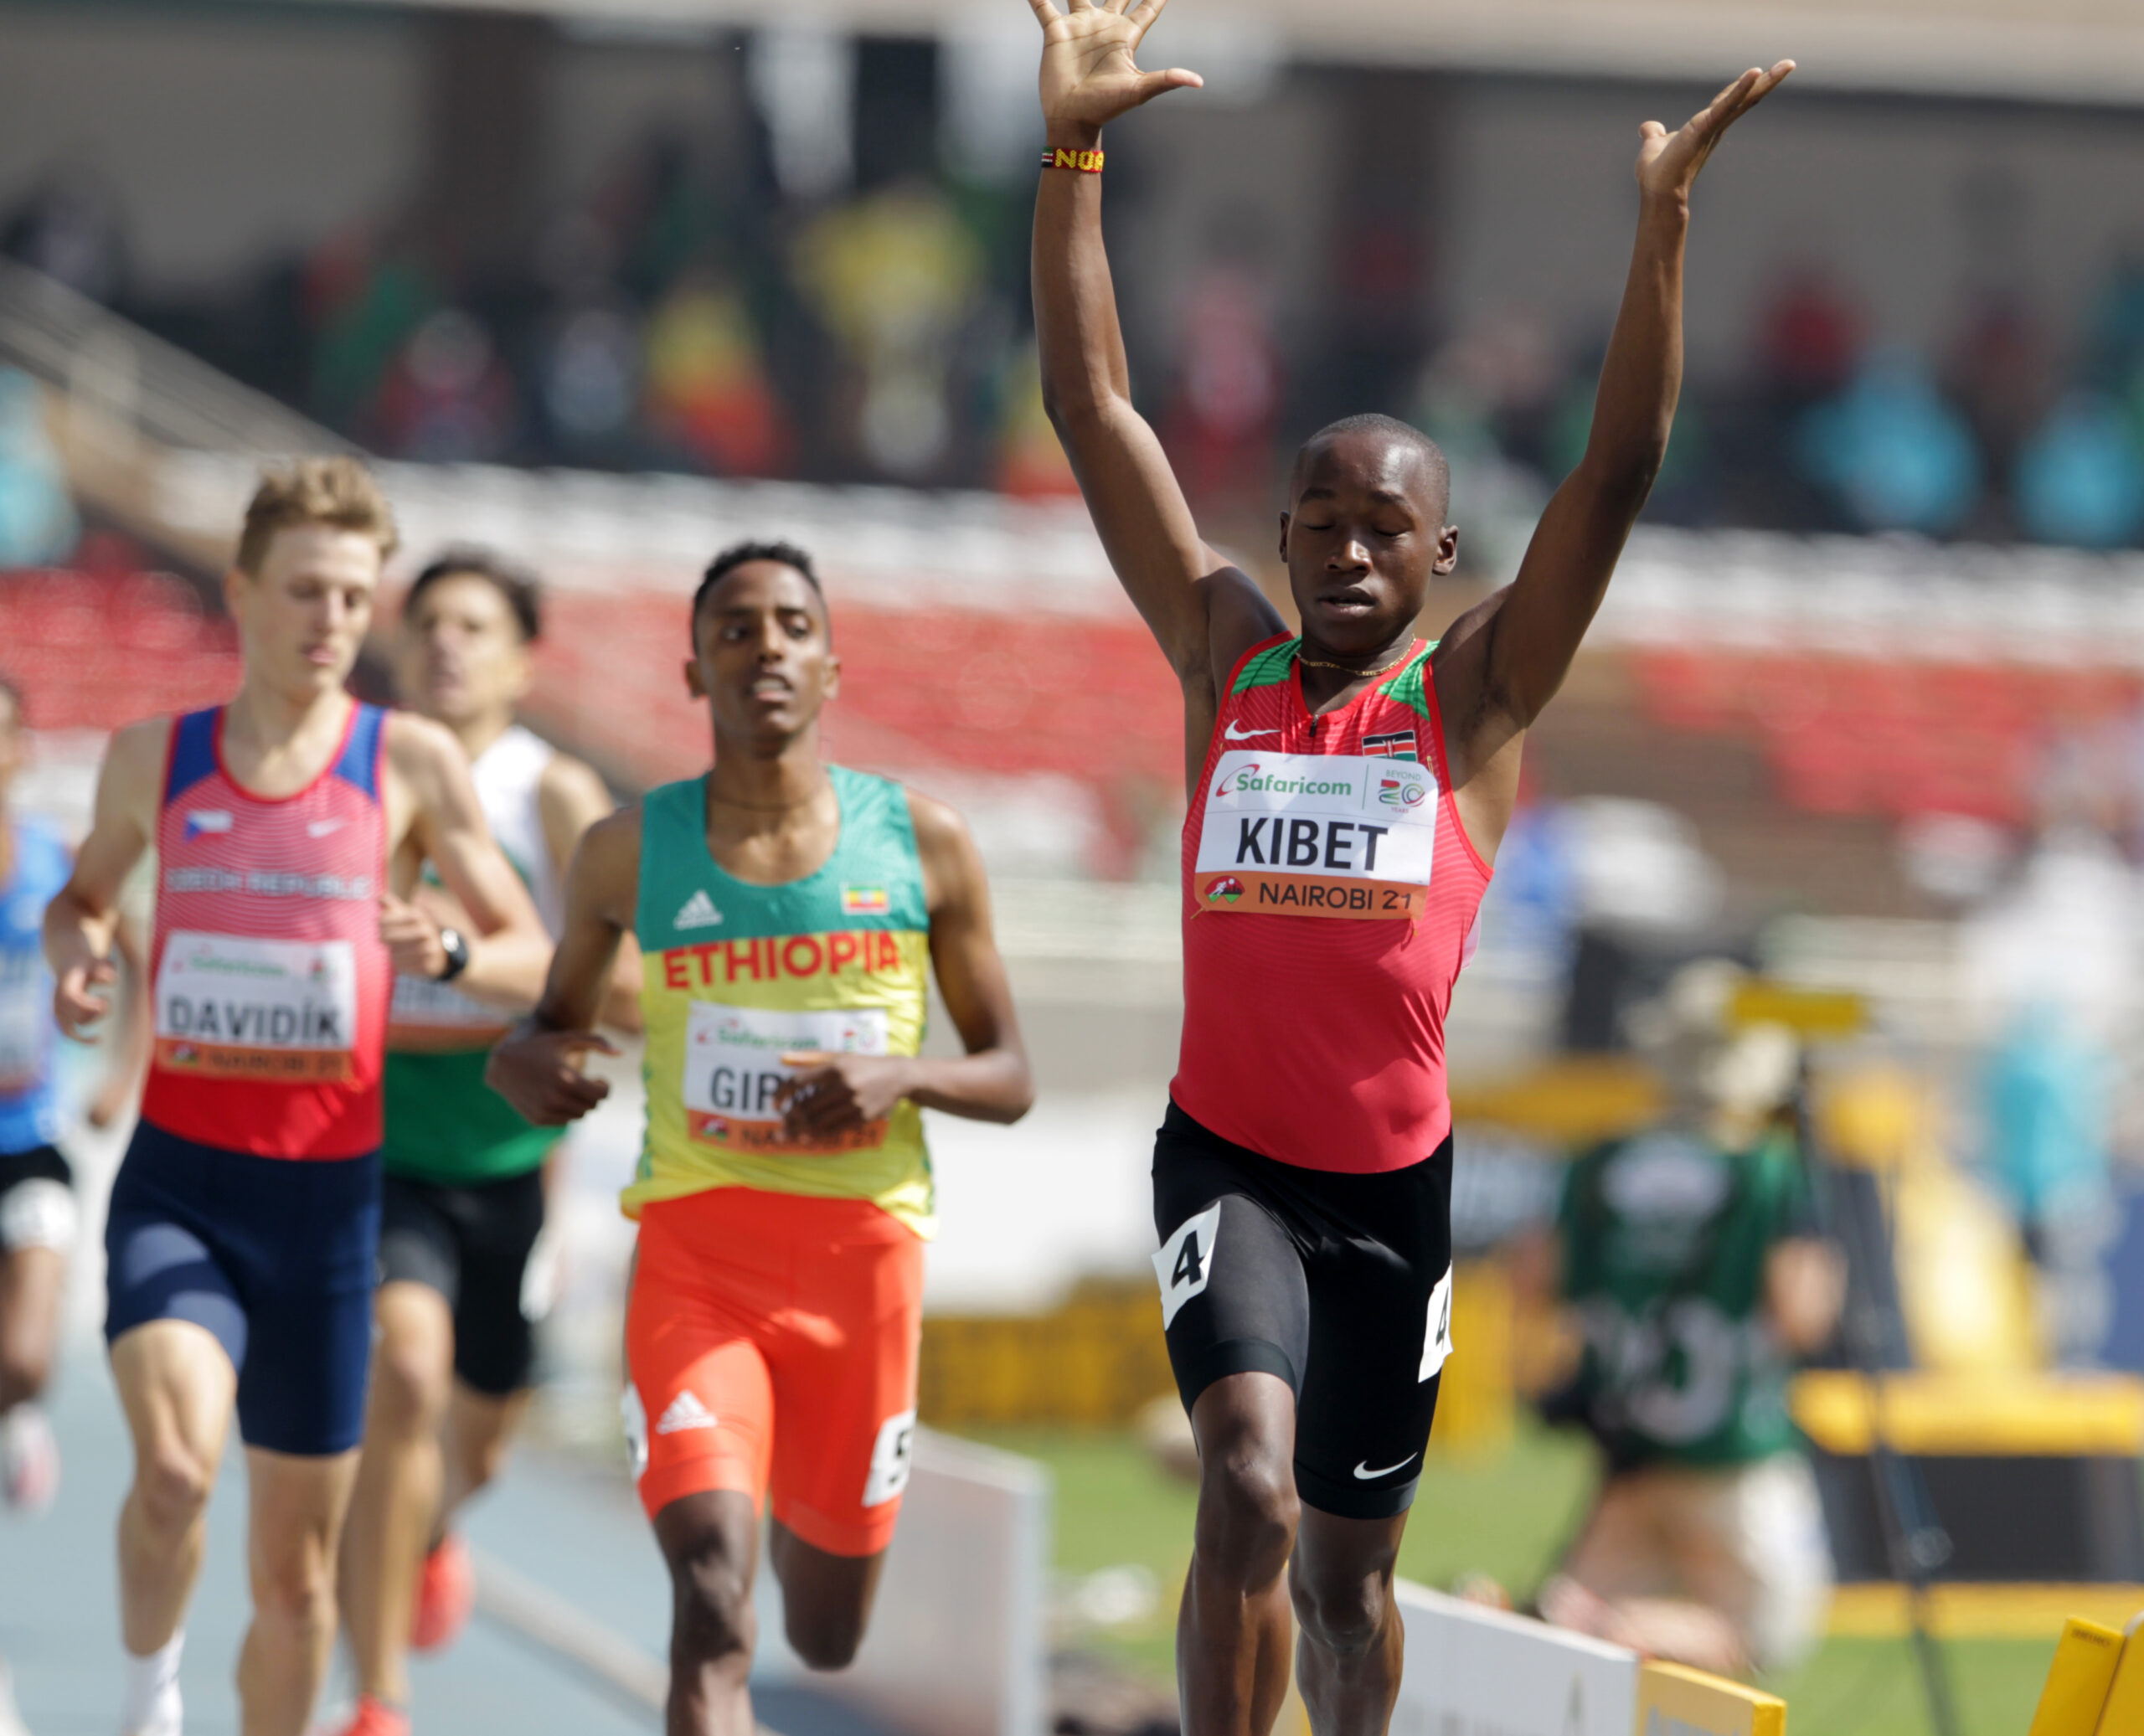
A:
771, 1349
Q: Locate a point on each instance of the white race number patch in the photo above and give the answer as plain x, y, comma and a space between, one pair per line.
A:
1436, 1334
1185, 1263
893, 1456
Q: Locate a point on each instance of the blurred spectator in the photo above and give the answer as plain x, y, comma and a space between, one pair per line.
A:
1998, 373
707, 391
2048, 1104
2081, 478
589, 366
1689, 1257
448, 398
365, 302
37, 525
1219, 426
69, 228
893, 276
1809, 338
1894, 452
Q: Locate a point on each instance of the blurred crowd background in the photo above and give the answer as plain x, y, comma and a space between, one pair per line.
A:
606, 286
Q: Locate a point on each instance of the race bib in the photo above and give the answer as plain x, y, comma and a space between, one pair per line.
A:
734, 1069
425, 1014
1317, 835
279, 1010
22, 1029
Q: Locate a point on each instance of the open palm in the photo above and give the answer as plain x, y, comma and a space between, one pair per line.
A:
1668, 162
1088, 74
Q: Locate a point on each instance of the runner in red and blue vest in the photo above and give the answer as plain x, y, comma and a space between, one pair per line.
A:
1348, 786
242, 1236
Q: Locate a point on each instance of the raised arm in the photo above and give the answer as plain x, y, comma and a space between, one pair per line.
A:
509, 951
536, 1067
1203, 611
80, 922
1496, 686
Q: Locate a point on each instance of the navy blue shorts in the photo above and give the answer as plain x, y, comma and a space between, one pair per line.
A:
277, 1257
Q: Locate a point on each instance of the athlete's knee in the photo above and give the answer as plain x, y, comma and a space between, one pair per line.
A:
25, 1366
171, 1484
1247, 1510
824, 1639
411, 1382
712, 1608
1346, 1614
297, 1591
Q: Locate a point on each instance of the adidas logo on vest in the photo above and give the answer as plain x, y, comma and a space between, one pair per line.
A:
685, 1412
697, 911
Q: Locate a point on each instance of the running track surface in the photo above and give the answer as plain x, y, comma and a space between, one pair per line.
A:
575, 1531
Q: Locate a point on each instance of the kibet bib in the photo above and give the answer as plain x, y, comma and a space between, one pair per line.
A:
1329, 896
736, 975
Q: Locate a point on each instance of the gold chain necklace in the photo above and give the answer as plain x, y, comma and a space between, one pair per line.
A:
1345, 669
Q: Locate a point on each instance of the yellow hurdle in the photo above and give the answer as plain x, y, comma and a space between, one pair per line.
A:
2123, 1713
1676, 1700
2075, 1693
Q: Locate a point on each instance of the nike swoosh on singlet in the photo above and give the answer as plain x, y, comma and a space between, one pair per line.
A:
1233, 734
320, 828
1368, 1476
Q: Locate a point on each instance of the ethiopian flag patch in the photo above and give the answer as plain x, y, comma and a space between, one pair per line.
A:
864, 901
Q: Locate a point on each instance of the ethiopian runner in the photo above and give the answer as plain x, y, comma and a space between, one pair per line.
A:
789, 913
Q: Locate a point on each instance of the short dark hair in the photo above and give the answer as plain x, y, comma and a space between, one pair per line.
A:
523, 595
737, 555
1390, 427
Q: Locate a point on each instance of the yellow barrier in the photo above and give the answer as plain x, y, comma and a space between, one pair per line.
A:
2077, 1681
1095, 1360
1675, 1700
2123, 1714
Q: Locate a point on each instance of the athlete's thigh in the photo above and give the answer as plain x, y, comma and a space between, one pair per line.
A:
698, 1403
1624, 1549
176, 1387
494, 1328
1235, 1299
1380, 1301
844, 1379
295, 1504
309, 1294
164, 1260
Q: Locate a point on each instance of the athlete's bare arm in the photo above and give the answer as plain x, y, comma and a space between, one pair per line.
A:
536, 1065
569, 799
79, 923
1492, 684
990, 1082
1205, 612
432, 808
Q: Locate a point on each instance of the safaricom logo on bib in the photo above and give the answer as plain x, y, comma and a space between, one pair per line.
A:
1254, 780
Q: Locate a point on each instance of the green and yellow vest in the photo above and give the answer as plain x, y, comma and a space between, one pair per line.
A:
736, 975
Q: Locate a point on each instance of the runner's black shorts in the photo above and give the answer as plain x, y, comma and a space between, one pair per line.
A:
470, 1242
1339, 1284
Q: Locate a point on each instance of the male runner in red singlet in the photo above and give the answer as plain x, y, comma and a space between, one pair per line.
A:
1349, 789
244, 1222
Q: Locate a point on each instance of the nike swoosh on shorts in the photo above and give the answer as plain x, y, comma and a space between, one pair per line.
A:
1367, 1475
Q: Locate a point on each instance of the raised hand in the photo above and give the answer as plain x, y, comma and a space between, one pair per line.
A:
1088, 75
1668, 162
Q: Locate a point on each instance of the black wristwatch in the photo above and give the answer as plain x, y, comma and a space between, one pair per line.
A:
457, 954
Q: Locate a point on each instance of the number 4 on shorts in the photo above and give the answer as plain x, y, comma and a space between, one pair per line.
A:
1436, 1330
1185, 1263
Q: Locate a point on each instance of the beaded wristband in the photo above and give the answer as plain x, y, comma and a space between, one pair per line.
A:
1088, 162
